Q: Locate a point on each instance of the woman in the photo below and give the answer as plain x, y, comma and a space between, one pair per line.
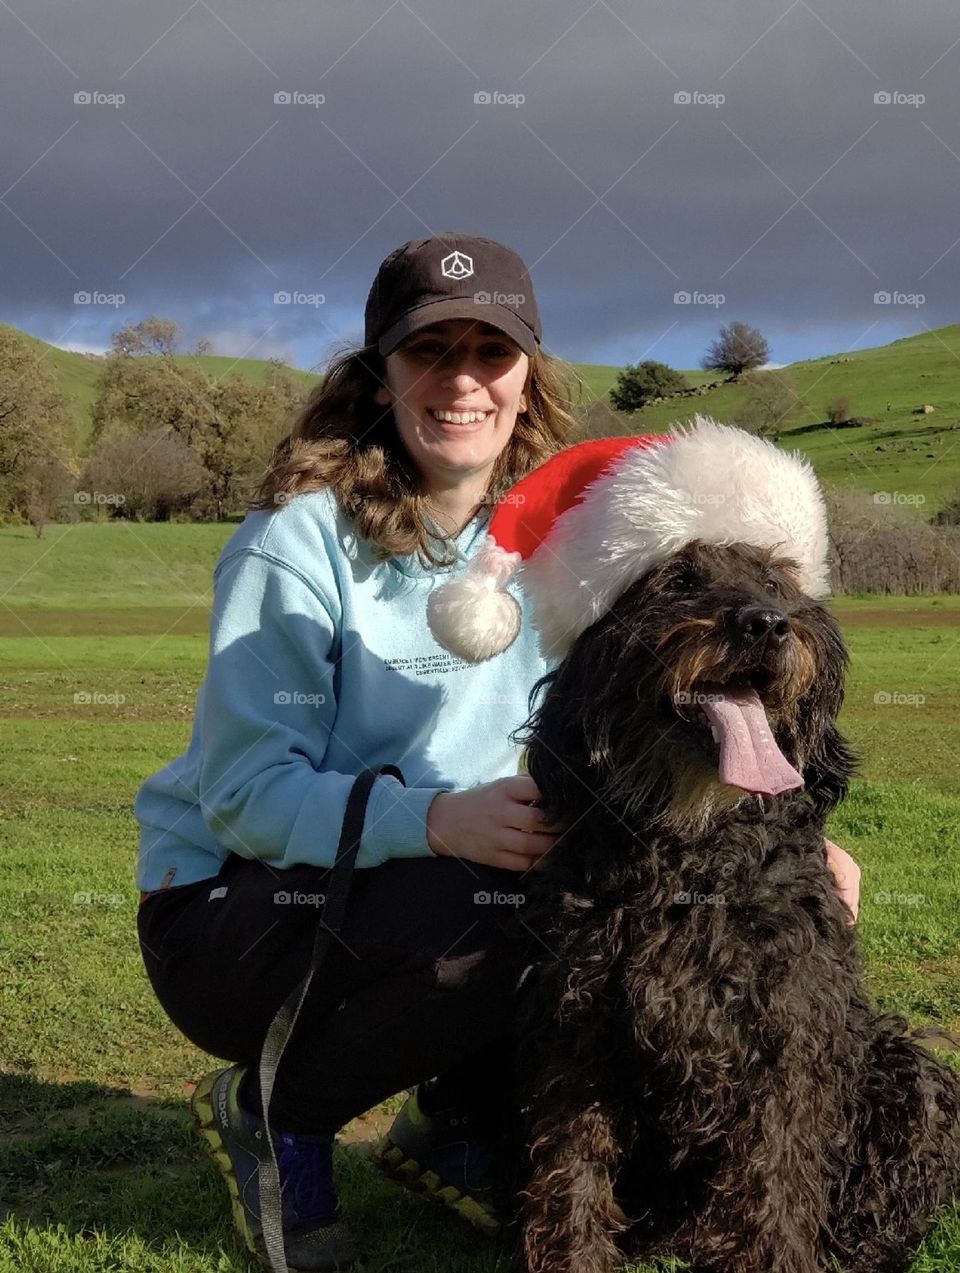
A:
320, 667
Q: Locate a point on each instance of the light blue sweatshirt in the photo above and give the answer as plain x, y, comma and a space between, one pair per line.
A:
321, 665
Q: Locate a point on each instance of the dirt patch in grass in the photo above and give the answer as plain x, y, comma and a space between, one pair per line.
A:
924, 616
24, 621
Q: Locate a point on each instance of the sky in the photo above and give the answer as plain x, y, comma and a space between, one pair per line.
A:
661, 169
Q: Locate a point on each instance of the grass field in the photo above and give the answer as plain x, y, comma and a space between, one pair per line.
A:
99, 1167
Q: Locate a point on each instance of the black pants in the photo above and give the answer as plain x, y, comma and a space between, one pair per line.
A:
421, 983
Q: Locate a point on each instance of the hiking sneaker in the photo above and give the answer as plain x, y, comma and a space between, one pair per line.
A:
315, 1236
441, 1155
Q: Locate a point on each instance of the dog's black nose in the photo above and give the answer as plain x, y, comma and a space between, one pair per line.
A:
758, 623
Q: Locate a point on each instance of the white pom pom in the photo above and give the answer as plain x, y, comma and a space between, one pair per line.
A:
472, 616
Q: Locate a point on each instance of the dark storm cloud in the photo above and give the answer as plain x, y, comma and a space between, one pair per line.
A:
796, 197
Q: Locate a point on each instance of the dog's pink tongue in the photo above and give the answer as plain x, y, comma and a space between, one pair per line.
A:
749, 755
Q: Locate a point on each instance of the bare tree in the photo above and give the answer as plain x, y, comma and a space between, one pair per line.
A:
839, 410
151, 336
146, 475
878, 546
771, 398
737, 349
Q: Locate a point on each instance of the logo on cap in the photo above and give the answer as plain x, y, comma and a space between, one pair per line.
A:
457, 265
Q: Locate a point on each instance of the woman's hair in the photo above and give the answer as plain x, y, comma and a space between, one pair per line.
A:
344, 439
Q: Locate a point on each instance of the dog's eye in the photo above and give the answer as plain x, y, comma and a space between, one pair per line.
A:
686, 577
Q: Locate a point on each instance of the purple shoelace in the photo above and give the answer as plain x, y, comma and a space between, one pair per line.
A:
306, 1176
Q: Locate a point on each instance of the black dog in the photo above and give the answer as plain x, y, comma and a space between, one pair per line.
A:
703, 1074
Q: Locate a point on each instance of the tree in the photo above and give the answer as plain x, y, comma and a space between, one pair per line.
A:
35, 472
737, 349
232, 425
203, 347
145, 475
770, 399
636, 385
839, 410
152, 336
949, 515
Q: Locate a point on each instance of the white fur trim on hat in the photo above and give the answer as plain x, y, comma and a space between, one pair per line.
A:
713, 482
472, 615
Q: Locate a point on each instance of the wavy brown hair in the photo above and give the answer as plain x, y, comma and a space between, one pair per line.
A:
344, 439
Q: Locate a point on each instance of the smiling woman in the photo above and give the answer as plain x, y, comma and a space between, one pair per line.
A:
322, 673
386, 428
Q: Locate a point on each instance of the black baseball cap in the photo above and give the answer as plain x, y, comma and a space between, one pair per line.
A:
451, 276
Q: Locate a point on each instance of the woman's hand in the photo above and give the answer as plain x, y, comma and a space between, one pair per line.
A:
847, 874
495, 824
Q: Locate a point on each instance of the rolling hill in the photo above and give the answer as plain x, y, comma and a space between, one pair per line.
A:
893, 449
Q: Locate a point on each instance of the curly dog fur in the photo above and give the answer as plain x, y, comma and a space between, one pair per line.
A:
706, 1078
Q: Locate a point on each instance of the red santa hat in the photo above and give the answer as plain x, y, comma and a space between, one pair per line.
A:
594, 518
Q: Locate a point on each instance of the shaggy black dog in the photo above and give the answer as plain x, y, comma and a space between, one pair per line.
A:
703, 1073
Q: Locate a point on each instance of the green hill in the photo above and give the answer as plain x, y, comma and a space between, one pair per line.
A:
893, 449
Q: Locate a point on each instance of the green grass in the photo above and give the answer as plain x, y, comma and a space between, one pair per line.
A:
99, 1167
922, 453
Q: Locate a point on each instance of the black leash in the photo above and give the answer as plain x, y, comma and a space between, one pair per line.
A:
281, 1027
